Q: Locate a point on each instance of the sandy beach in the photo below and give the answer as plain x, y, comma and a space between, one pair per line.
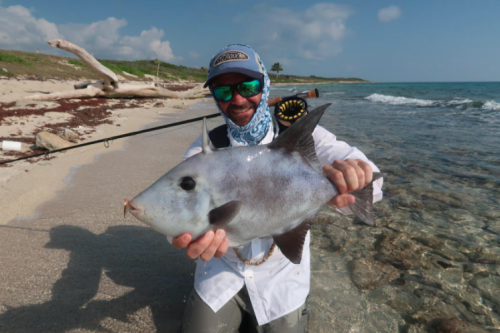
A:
70, 262
25, 184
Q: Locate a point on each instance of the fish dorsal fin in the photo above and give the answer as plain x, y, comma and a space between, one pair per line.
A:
291, 242
299, 137
205, 140
221, 216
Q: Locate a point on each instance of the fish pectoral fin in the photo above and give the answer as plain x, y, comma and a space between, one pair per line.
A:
291, 242
223, 215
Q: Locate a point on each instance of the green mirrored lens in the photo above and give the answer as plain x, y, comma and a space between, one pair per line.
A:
249, 89
223, 93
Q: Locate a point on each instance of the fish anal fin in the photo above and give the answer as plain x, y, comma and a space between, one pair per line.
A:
291, 243
221, 216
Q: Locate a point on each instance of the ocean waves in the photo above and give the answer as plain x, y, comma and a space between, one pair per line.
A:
459, 103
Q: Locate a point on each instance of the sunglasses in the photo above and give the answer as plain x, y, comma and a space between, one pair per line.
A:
245, 89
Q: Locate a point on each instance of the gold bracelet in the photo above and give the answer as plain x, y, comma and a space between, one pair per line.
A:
258, 263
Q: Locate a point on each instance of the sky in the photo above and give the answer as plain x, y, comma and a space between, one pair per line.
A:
377, 40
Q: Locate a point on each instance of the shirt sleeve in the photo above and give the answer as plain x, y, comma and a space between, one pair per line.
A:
329, 149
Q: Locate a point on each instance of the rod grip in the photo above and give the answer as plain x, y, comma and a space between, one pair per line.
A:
273, 101
310, 94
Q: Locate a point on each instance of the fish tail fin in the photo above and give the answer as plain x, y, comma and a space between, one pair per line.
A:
363, 206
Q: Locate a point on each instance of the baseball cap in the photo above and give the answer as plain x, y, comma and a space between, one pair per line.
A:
235, 58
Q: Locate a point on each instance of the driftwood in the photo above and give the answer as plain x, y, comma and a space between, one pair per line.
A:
109, 86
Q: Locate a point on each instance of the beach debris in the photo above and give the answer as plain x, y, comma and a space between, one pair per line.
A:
253, 191
33, 105
11, 145
131, 75
109, 86
5, 70
70, 135
51, 141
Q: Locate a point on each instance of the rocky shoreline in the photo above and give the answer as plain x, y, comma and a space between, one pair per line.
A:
411, 272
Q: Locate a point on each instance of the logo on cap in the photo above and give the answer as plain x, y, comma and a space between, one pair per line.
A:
230, 56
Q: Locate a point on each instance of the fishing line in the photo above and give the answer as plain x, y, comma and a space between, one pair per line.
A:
294, 108
111, 138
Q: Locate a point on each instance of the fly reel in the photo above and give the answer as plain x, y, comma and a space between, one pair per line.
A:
290, 109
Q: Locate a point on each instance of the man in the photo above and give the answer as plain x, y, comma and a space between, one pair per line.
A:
257, 280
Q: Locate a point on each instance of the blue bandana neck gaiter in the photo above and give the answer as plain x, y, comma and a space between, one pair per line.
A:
252, 133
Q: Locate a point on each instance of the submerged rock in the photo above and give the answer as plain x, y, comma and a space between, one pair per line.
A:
489, 286
403, 252
367, 273
456, 325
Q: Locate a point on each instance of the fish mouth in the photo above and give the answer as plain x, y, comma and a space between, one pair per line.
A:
128, 206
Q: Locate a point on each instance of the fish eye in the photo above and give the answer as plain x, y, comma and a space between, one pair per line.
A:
187, 183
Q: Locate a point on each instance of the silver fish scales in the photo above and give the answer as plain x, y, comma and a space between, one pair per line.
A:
266, 190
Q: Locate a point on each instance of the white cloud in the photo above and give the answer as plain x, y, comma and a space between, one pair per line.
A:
20, 30
315, 33
194, 55
389, 14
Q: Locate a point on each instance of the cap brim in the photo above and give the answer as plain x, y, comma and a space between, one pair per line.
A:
244, 71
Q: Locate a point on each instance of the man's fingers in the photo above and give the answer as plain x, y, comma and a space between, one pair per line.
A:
360, 173
214, 245
196, 248
342, 200
181, 241
367, 168
350, 175
336, 176
222, 248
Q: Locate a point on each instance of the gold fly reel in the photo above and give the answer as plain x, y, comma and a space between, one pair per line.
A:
290, 110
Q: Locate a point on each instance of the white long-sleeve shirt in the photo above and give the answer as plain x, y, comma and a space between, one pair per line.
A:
278, 286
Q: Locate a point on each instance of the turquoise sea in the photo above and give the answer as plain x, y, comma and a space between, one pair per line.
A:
437, 237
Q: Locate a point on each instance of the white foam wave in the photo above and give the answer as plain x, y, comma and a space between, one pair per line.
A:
393, 100
459, 101
491, 105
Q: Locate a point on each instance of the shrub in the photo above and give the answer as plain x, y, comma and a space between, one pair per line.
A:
14, 59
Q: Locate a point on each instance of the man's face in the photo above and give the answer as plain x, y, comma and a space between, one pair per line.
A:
239, 109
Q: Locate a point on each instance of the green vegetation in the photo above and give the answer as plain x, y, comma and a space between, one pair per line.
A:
76, 63
150, 67
315, 79
43, 66
4, 57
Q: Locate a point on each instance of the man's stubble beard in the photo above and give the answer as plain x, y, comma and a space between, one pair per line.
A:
232, 109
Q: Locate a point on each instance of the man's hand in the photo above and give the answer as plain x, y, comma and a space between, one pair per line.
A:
211, 244
348, 176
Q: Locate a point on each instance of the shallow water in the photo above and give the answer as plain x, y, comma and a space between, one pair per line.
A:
435, 251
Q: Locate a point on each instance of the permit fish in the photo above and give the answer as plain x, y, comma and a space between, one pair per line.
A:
252, 191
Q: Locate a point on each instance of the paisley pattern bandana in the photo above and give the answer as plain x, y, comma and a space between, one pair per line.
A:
252, 133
